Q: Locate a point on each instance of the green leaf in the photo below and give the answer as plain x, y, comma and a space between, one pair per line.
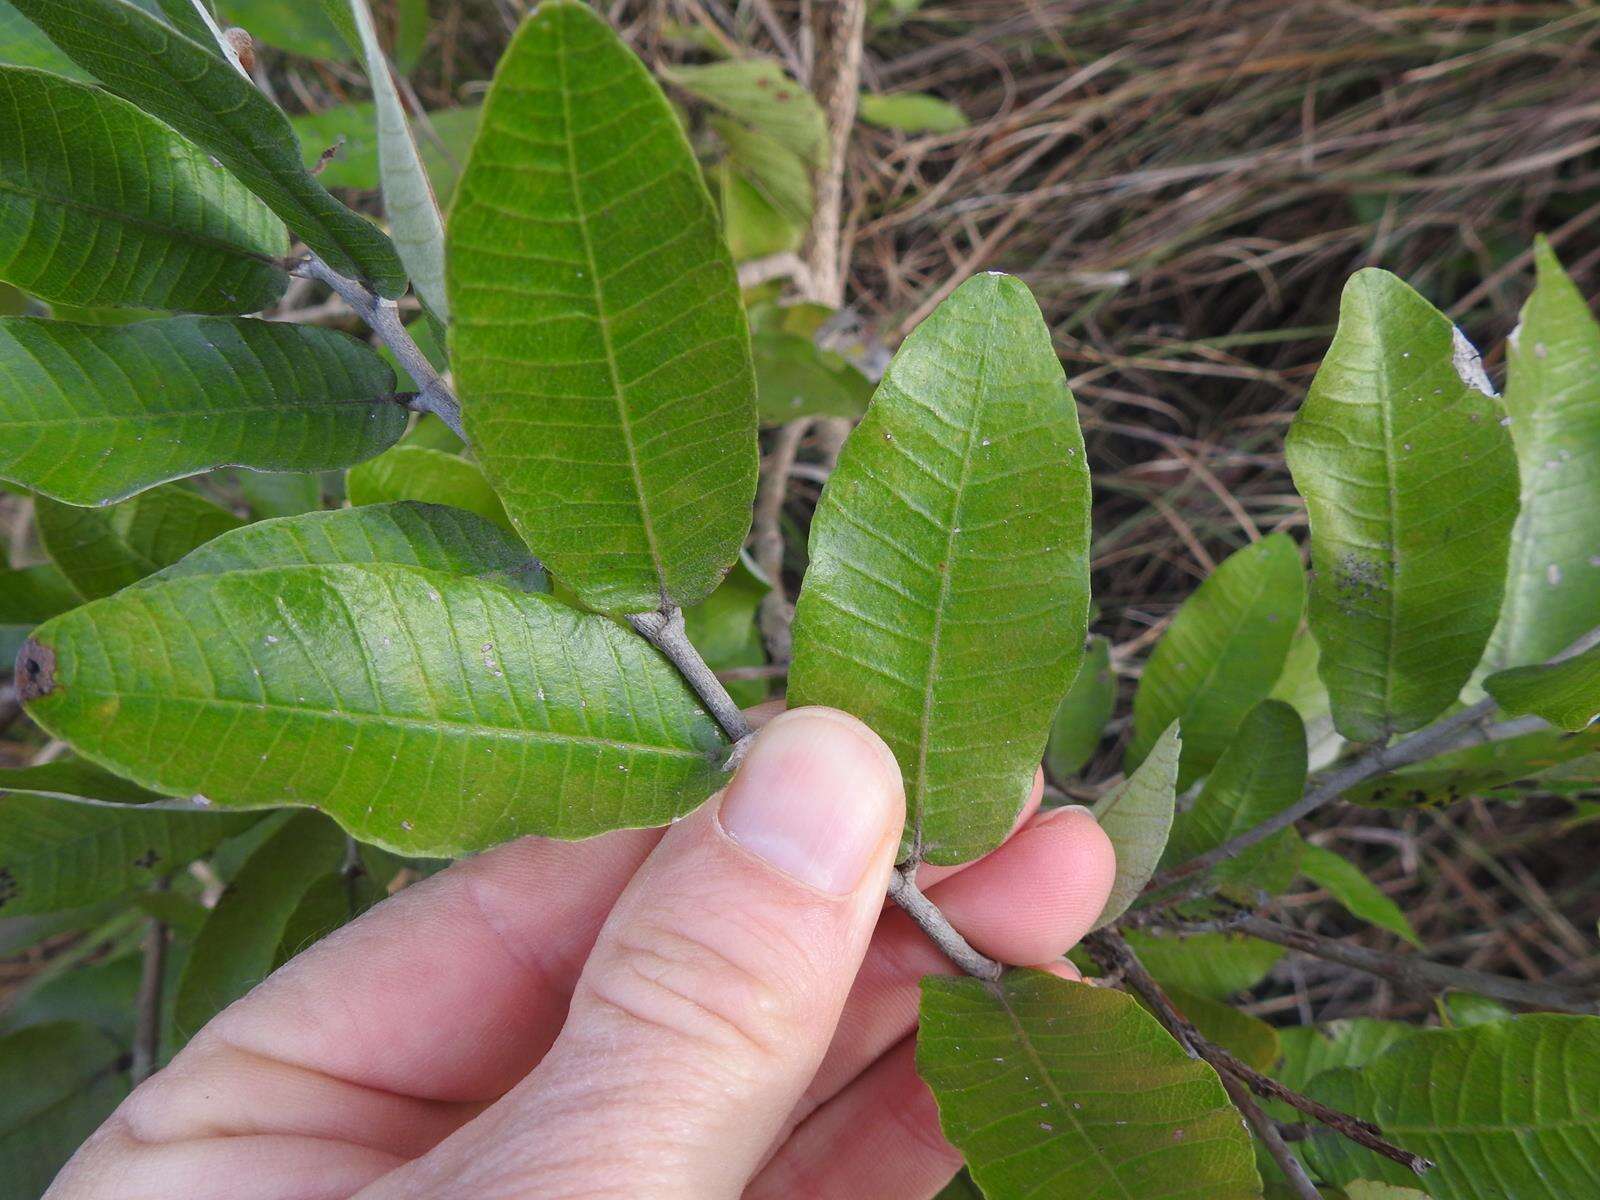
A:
58, 1082
1366, 1189
187, 18
421, 473
600, 345
1213, 965
1051, 1087
797, 378
777, 174
912, 112
329, 903
756, 92
961, 1188
1346, 883
1137, 817
90, 414
432, 536
1081, 717
1249, 1038
1553, 400
428, 714
1477, 771
1301, 687
29, 595
23, 45
101, 550
237, 946
102, 205
753, 226
72, 779
411, 22
102, 994
57, 854
1505, 1109
408, 201
1567, 693
185, 84
1410, 483
723, 628
353, 129
948, 596
1309, 1050
1460, 1009
1261, 773
1221, 655
278, 494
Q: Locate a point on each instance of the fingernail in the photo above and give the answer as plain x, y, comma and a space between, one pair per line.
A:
815, 798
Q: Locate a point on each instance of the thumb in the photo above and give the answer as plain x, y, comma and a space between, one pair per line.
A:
713, 990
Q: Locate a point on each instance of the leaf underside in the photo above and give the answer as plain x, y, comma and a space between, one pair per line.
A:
1508, 1108
1553, 400
599, 341
947, 596
1049, 1087
426, 713
1410, 482
1137, 817
94, 413
194, 90
101, 205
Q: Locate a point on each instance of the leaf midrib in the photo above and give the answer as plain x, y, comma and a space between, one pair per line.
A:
1048, 1080
144, 224
582, 221
433, 724
925, 718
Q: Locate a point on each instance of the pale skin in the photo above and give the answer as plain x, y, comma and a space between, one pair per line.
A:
723, 1009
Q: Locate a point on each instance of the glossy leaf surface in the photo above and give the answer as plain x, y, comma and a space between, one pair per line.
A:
599, 342
1221, 655
1567, 693
1553, 399
57, 854
434, 536
103, 205
101, 550
94, 413
1081, 717
1410, 482
1137, 817
427, 713
197, 92
1509, 1108
1049, 1087
947, 595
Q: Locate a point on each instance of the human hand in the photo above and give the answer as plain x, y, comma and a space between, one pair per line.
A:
721, 1009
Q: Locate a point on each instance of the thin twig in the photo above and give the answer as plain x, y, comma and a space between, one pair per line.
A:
383, 317
1458, 731
837, 27
1266, 1130
664, 630
1411, 972
766, 537
147, 1018
903, 891
1111, 951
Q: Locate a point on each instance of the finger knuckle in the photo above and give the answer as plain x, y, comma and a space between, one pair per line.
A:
721, 987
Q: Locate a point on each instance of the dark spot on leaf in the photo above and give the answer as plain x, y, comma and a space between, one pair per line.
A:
36, 670
148, 859
8, 885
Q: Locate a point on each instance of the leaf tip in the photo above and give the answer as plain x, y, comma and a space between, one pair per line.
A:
35, 671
